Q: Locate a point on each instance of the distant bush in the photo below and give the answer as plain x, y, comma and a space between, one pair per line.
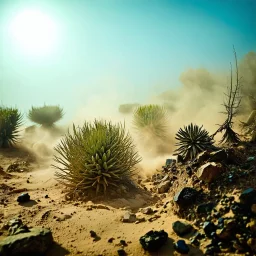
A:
10, 122
128, 108
46, 115
96, 158
153, 118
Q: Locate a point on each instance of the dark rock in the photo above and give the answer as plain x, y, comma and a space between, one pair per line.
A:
93, 233
153, 240
147, 210
205, 208
123, 243
218, 156
181, 247
23, 198
210, 172
121, 252
181, 228
202, 157
209, 228
37, 240
248, 197
185, 196
169, 161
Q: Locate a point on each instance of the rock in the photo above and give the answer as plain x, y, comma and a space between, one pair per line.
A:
209, 228
205, 208
248, 197
252, 244
185, 196
163, 187
64, 217
93, 233
15, 227
253, 208
23, 198
37, 240
202, 157
129, 217
153, 240
147, 210
210, 172
181, 247
121, 252
181, 228
218, 156
169, 162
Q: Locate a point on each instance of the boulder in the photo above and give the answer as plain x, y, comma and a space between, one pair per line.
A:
37, 240
210, 172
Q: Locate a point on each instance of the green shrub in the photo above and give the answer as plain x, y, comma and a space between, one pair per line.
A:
128, 108
10, 122
153, 118
46, 115
192, 140
96, 157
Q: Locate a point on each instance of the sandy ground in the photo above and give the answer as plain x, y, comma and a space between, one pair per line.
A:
72, 221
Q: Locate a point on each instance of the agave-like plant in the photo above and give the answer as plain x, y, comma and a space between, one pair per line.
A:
10, 122
97, 157
152, 118
192, 140
46, 115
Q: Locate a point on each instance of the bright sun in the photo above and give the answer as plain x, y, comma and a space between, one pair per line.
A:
34, 32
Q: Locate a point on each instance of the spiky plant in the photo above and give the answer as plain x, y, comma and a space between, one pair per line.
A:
192, 140
96, 157
10, 122
153, 118
46, 115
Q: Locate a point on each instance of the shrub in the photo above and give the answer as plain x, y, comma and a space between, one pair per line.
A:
96, 157
46, 115
192, 140
127, 108
10, 122
152, 118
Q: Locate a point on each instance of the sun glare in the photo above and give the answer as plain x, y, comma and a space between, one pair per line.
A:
33, 32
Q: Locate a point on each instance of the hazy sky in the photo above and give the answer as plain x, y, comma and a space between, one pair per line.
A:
125, 48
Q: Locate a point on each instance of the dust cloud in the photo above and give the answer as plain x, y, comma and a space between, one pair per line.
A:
199, 100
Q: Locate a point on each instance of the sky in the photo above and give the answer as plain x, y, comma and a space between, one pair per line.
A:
114, 51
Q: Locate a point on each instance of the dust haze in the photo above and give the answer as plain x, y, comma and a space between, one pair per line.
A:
199, 100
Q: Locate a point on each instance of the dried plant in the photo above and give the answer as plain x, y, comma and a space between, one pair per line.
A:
231, 104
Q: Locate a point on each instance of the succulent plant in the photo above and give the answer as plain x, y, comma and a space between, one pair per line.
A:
10, 122
97, 157
46, 115
153, 118
192, 140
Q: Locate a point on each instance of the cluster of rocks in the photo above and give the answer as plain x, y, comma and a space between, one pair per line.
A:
22, 240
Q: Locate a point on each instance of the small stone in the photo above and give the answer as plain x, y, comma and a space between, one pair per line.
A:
129, 217
46, 196
110, 240
23, 198
121, 252
93, 234
205, 208
147, 210
181, 228
209, 228
181, 247
185, 197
